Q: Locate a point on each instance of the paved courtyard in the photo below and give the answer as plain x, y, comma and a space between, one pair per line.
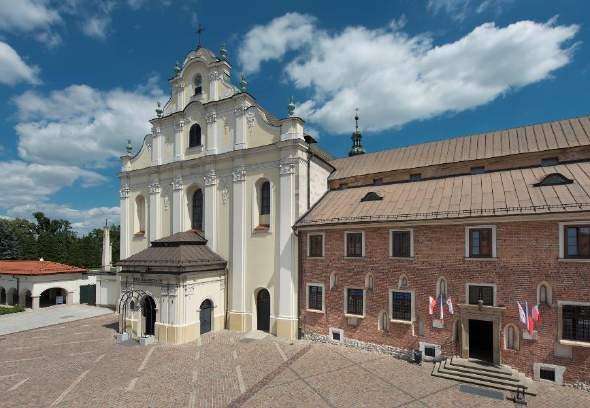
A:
77, 364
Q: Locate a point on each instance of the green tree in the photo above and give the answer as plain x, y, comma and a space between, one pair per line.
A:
26, 236
8, 241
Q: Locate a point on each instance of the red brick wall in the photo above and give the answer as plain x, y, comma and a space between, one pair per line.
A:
527, 253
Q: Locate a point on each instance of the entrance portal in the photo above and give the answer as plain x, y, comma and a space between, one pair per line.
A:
149, 315
205, 316
53, 296
263, 310
481, 340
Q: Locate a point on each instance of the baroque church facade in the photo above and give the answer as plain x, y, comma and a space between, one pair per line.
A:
221, 167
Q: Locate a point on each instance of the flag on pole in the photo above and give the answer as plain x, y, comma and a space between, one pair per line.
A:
441, 303
535, 313
431, 305
450, 305
529, 320
521, 313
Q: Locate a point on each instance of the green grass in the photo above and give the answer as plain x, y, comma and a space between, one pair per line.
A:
9, 310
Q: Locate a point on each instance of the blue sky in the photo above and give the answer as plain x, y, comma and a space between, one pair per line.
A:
80, 77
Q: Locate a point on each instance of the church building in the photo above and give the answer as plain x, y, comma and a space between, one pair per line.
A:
216, 170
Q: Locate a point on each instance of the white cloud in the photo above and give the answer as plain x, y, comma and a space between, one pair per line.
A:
459, 9
83, 126
13, 69
29, 183
271, 42
395, 78
82, 221
27, 15
97, 26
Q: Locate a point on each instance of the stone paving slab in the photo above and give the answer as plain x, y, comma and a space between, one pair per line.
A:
78, 364
33, 319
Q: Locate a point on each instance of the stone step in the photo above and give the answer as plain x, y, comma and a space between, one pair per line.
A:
467, 363
482, 376
448, 365
483, 380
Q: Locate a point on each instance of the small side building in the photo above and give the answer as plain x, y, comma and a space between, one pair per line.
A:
35, 284
173, 291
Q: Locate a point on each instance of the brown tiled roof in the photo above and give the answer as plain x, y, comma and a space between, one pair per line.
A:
541, 137
507, 192
36, 268
178, 253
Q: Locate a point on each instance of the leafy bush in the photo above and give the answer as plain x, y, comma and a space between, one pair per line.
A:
9, 310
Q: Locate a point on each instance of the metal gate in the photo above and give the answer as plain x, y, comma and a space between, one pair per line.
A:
88, 294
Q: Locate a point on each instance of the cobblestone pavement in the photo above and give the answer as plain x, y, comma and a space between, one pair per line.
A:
77, 364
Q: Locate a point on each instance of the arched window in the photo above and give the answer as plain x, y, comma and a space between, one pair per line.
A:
544, 294
369, 281
194, 137
197, 210
403, 282
383, 322
441, 289
198, 84
511, 337
333, 280
264, 193
140, 215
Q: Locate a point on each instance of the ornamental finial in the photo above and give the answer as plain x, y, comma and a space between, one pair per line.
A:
291, 107
159, 110
129, 146
357, 147
223, 53
243, 84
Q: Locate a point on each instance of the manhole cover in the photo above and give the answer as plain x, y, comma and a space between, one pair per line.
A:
482, 392
67, 317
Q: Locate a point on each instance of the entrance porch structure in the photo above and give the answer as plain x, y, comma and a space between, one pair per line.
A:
36, 284
480, 332
173, 291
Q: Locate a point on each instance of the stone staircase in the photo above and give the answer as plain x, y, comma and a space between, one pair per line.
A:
476, 373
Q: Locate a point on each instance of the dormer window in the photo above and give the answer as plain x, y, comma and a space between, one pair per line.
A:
549, 161
194, 138
372, 196
198, 82
554, 179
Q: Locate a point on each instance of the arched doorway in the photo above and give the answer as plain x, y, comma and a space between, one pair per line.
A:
12, 297
148, 310
28, 299
2, 296
263, 310
53, 296
205, 316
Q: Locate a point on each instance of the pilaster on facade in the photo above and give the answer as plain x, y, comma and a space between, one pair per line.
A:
180, 101
212, 132
177, 204
210, 181
214, 85
179, 140
287, 316
241, 126
238, 267
154, 225
156, 146
125, 222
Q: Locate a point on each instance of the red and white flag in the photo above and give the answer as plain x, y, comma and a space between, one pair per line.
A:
431, 305
450, 305
530, 325
535, 313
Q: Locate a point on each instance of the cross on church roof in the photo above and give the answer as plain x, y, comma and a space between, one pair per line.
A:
199, 31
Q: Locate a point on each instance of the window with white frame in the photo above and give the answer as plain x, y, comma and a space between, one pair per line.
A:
402, 245
354, 244
402, 305
354, 302
264, 192
315, 297
576, 241
575, 322
480, 241
315, 245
